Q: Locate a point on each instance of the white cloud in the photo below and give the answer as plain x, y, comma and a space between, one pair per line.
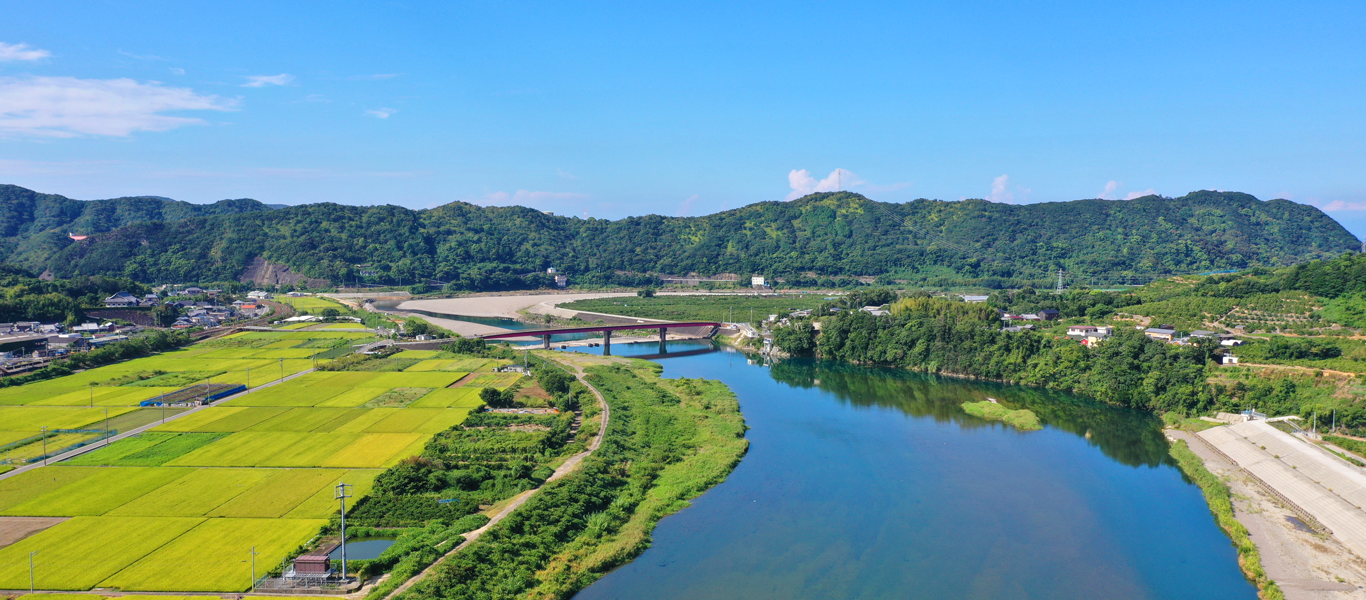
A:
381, 113
23, 168
1109, 192
1000, 190
67, 106
525, 198
565, 174
803, 183
1338, 205
13, 52
177, 71
256, 81
1147, 192
685, 207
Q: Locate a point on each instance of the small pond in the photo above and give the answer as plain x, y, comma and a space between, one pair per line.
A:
362, 549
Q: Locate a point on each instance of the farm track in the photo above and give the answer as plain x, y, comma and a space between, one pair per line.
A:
131, 432
569, 466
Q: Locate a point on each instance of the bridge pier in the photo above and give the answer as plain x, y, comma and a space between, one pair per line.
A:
607, 343
663, 337
545, 341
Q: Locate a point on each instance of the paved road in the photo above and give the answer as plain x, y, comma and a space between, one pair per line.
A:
569, 466
92, 447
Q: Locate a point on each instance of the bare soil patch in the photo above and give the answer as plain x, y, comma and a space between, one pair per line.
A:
13, 529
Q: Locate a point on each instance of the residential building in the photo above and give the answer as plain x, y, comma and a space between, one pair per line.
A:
1049, 314
975, 299
1159, 333
1230, 359
1081, 330
121, 300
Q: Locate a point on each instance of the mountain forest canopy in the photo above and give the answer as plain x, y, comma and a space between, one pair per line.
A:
808, 241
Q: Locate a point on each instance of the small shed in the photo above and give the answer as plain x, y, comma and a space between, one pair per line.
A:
312, 565
1230, 359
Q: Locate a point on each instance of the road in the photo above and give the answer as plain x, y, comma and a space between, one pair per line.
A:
131, 432
569, 466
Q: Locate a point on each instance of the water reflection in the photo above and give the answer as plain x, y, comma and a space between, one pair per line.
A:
1129, 436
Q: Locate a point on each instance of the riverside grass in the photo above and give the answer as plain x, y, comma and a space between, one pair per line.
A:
1023, 419
1221, 504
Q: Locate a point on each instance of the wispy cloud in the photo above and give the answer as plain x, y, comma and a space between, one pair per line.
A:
802, 183
256, 81
140, 56
685, 207
381, 113
68, 107
315, 173
1338, 205
1109, 192
565, 174
525, 198
16, 52
177, 71
1000, 190
1147, 192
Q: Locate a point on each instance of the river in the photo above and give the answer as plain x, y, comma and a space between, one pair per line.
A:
872, 483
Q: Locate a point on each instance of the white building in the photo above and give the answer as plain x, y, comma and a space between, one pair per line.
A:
756, 281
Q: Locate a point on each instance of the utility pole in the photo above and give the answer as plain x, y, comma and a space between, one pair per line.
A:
839, 183
253, 568
282, 369
92, 394
1059, 281
343, 492
45, 445
106, 427
30, 570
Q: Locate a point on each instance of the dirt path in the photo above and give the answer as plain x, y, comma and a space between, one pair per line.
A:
569, 466
1306, 565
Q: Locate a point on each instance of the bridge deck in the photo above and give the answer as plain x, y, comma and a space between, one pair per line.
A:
593, 328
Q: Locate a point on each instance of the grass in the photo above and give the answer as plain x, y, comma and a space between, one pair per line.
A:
1023, 419
323, 503
99, 492
397, 397
33, 484
1357, 447
267, 449
82, 552
220, 550
1221, 504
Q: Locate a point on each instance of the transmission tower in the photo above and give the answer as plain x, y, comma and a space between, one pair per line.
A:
1059, 281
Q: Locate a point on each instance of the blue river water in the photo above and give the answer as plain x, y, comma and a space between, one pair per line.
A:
873, 483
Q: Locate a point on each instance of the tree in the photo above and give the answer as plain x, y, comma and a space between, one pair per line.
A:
166, 314
416, 326
331, 313
646, 293
495, 398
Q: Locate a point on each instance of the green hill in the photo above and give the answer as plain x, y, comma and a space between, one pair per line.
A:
33, 226
819, 236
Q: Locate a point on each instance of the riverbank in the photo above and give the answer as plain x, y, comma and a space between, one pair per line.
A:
1303, 564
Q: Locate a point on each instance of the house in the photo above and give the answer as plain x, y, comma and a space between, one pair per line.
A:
1231, 342
193, 291
1160, 333
800, 313
1200, 333
876, 311
1094, 339
1018, 328
90, 328
756, 281
1048, 314
121, 300
67, 341
258, 295
1031, 317
237, 303
1082, 330
150, 300
1230, 359
561, 280
975, 299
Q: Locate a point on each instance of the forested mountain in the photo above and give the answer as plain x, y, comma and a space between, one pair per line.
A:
33, 226
819, 236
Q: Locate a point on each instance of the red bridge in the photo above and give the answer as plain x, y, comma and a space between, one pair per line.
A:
606, 330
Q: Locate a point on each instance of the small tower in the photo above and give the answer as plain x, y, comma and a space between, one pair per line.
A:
1059, 281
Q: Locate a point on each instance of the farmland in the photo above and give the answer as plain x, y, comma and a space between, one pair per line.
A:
200, 491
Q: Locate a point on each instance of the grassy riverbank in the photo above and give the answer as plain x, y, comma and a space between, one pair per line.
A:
1023, 419
667, 441
1221, 504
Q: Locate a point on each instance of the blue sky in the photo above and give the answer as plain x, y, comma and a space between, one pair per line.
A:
614, 110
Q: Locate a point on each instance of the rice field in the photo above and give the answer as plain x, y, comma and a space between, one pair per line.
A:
218, 552
197, 492
500, 381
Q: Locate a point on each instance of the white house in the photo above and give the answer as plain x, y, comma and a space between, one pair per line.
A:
756, 281
1230, 359
1082, 330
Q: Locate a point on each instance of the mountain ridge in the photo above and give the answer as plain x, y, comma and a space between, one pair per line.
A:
817, 236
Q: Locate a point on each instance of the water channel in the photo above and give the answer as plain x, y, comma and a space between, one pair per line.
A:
872, 483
